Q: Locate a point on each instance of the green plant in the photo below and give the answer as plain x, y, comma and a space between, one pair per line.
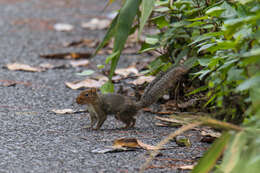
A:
223, 37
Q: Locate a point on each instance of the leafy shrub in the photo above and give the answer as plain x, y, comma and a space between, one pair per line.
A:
223, 37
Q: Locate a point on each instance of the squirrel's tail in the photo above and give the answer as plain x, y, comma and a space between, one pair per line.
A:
159, 86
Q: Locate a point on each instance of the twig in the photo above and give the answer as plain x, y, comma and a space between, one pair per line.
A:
164, 141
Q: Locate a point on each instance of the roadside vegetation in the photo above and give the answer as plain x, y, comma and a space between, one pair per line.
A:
220, 42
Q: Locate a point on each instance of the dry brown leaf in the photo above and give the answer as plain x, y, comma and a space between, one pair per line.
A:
63, 27
85, 42
23, 67
126, 71
70, 55
100, 77
186, 167
7, 83
210, 132
117, 78
132, 143
142, 79
47, 66
63, 111
87, 83
79, 63
96, 23
105, 52
126, 142
189, 103
163, 124
111, 150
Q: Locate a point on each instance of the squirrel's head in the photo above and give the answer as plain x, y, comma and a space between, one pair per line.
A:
87, 96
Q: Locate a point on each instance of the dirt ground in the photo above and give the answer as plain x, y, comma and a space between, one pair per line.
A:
32, 138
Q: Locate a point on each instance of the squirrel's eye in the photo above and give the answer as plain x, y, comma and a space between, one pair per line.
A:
86, 94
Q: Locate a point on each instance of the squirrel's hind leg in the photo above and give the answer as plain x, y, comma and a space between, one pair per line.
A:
128, 120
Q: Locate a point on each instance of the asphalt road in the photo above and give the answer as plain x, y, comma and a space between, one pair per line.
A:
33, 139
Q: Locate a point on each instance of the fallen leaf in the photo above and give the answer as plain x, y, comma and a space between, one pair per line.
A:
132, 143
210, 132
209, 135
53, 66
79, 63
66, 55
186, 167
183, 141
189, 103
91, 43
111, 150
7, 83
163, 124
142, 79
87, 83
100, 77
126, 142
117, 78
23, 67
63, 27
63, 111
86, 72
67, 111
96, 23
126, 71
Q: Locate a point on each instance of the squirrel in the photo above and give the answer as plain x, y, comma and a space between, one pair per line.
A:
123, 107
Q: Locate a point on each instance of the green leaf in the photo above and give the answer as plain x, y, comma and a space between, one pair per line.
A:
100, 66
197, 23
86, 73
229, 12
199, 18
146, 9
204, 61
208, 161
250, 83
202, 73
244, 1
206, 46
111, 57
161, 9
146, 47
210, 100
203, 88
125, 20
180, 24
151, 40
235, 74
108, 87
199, 39
110, 33
226, 44
233, 152
161, 21
252, 52
215, 11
